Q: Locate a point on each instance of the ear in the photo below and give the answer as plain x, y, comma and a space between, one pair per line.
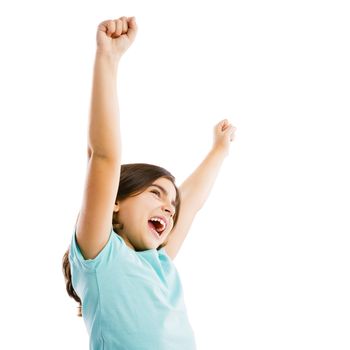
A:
116, 207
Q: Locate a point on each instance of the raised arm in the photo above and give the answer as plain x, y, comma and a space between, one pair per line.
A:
94, 221
197, 187
195, 190
113, 39
104, 139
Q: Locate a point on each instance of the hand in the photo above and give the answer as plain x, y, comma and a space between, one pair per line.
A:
224, 133
114, 37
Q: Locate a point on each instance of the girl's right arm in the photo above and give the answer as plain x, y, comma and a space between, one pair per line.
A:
94, 221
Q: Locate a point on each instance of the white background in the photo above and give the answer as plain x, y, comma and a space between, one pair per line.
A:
266, 263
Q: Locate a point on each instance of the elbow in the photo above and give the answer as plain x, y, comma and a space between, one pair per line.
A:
116, 158
113, 156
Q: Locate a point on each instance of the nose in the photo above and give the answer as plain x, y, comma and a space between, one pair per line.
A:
169, 208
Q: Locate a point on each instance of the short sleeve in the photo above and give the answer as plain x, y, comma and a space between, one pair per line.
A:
108, 253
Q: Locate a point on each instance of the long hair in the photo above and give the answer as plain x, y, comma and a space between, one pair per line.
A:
134, 179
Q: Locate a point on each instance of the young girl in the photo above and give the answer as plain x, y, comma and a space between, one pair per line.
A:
133, 220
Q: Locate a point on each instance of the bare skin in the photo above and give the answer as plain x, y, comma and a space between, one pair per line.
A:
134, 213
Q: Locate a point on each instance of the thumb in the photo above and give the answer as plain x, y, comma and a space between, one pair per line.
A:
132, 28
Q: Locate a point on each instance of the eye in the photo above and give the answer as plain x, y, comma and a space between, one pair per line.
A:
158, 195
156, 192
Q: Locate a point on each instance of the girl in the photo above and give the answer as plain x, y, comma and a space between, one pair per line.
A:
133, 220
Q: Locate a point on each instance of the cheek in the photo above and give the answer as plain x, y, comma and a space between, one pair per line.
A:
130, 218
171, 227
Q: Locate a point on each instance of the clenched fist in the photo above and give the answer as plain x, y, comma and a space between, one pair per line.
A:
224, 133
114, 37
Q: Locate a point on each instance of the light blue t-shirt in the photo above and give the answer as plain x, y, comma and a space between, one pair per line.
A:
131, 300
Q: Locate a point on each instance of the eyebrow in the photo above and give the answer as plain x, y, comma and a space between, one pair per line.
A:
164, 191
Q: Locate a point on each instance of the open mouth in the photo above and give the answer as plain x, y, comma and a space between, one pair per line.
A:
157, 226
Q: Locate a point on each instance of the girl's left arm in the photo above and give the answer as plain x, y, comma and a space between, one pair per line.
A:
195, 190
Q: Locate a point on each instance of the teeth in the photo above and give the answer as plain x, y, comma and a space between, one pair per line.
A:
159, 220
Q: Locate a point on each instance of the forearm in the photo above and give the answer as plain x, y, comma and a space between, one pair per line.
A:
104, 127
197, 187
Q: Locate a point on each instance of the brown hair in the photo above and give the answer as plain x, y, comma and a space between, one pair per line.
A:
134, 179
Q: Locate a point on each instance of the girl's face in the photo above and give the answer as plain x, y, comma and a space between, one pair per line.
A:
135, 212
